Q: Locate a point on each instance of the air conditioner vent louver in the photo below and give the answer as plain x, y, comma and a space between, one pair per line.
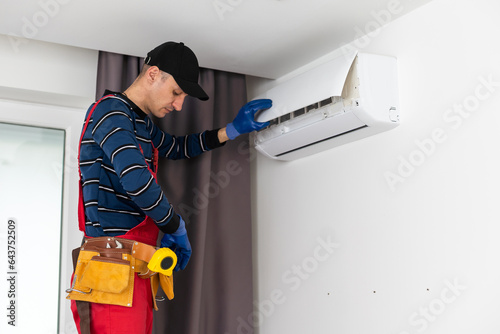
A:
302, 111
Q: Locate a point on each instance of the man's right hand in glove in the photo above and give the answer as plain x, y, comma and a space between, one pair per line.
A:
179, 243
244, 121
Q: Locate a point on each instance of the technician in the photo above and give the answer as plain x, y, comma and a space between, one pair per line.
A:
119, 151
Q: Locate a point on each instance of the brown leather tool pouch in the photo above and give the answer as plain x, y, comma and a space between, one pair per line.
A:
105, 269
167, 285
106, 274
103, 279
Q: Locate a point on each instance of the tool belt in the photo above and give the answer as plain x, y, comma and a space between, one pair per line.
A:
105, 271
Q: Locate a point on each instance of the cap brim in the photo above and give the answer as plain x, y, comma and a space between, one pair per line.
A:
192, 89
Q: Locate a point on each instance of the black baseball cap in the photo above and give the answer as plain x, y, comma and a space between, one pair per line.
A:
179, 61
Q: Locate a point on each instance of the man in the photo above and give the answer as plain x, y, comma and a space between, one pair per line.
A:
118, 158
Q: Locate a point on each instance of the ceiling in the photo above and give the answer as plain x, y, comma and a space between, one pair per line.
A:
264, 38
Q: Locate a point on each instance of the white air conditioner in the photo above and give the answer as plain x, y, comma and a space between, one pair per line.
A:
346, 99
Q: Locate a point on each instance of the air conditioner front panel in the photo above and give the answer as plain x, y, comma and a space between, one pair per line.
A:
333, 104
291, 140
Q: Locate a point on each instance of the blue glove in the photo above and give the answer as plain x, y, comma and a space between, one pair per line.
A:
179, 243
244, 122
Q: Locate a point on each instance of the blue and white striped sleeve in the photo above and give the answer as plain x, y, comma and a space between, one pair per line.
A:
182, 147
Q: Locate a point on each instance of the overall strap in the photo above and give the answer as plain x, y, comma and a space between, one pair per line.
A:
81, 206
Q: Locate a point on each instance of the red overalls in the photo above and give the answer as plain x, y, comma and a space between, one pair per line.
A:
113, 319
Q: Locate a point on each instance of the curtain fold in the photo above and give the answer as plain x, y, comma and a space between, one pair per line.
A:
116, 72
214, 294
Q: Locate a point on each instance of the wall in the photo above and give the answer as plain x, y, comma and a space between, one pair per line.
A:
51, 86
396, 233
46, 73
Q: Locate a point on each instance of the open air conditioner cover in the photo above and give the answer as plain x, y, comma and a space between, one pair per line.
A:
309, 87
348, 98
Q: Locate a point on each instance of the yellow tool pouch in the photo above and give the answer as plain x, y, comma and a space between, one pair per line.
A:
167, 285
105, 268
107, 275
105, 280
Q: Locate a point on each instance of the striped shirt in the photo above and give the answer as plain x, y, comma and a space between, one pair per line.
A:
116, 164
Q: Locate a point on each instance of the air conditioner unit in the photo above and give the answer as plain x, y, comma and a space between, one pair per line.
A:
348, 98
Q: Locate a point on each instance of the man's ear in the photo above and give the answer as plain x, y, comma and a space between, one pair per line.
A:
153, 73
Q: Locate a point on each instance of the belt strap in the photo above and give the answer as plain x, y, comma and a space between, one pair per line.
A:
115, 247
137, 249
83, 309
142, 251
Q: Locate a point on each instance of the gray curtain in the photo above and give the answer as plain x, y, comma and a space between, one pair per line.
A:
214, 294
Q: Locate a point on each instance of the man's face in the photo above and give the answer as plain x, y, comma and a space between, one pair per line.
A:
166, 96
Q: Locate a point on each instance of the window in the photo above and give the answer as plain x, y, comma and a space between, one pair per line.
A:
31, 183
39, 194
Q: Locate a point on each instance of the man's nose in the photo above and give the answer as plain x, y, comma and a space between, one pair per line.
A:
179, 101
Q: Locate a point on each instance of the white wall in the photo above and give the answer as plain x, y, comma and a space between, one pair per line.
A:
49, 85
340, 249
47, 73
